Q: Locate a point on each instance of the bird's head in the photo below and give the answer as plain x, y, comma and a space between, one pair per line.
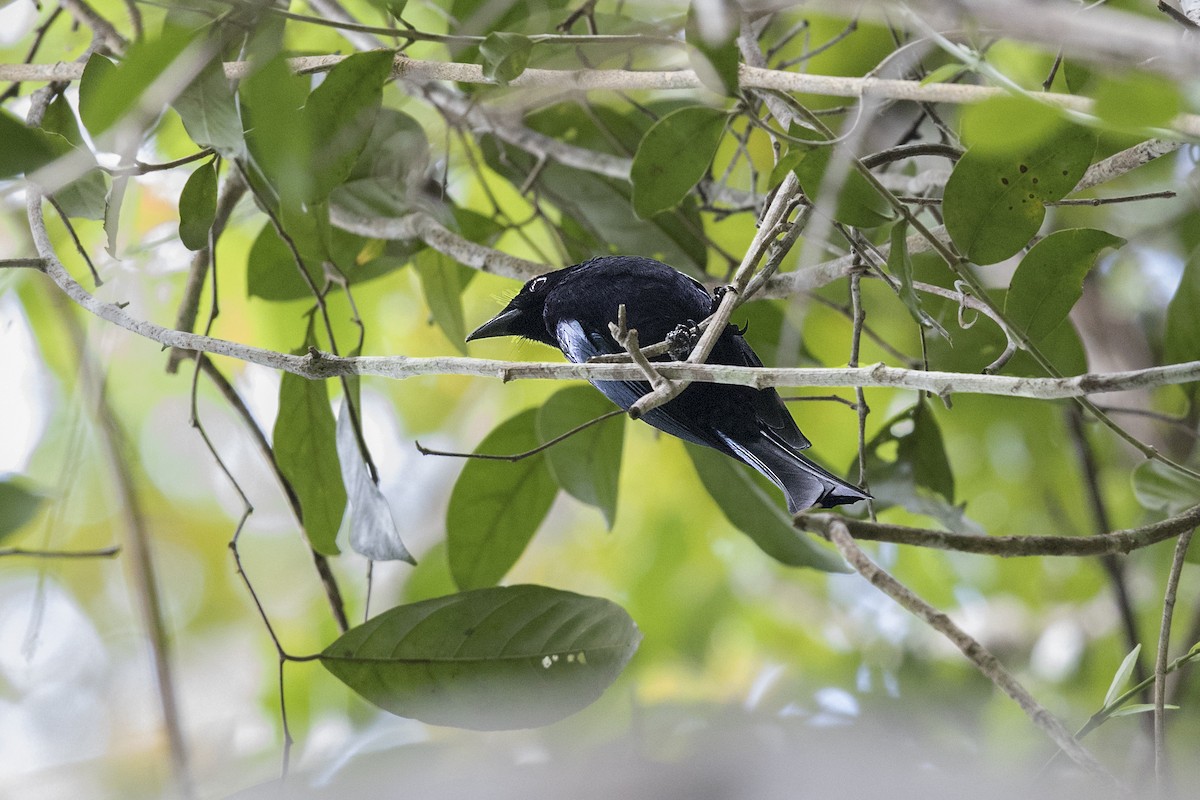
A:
523, 314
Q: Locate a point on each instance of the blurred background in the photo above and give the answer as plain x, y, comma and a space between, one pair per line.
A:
752, 677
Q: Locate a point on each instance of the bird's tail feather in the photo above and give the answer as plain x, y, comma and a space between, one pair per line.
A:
804, 483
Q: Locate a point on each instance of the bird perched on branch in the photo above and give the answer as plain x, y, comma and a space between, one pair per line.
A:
572, 308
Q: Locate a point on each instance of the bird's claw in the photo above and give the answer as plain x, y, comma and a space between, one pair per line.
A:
718, 294
682, 339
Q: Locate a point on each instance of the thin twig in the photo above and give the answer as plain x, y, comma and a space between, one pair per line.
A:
328, 580
1161, 771
975, 652
425, 451
1119, 541
103, 552
1101, 524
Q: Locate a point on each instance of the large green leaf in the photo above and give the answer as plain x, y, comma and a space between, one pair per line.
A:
340, 114
198, 207
924, 452
994, 203
27, 149
1049, 280
17, 506
443, 280
496, 506
209, 113
87, 195
276, 129
587, 464
753, 512
673, 156
271, 271
1136, 101
489, 659
1181, 342
306, 453
108, 92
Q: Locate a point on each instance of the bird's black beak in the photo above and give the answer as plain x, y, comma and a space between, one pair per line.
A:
503, 324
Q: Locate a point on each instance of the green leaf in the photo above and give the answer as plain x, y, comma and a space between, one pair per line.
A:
340, 114
900, 264
198, 206
306, 454
1181, 341
397, 148
17, 506
60, 118
209, 113
1134, 101
97, 112
87, 196
925, 452
753, 512
994, 204
596, 211
673, 156
373, 531
587, 464
1049, 280
1159, 487
443, 280
894, 481
1138, 708
1121, 677
505, 56
1009, 125
490, 659
276, 129
271, 271
496, 506
108, 92
26, 149
859, 204
716, 61
944, 74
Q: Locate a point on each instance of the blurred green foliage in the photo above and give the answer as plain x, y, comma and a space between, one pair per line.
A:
728, 631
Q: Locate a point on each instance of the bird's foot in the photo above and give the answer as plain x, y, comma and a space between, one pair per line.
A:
682, 339
718, 295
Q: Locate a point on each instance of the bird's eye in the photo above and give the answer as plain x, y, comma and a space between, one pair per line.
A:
536, 284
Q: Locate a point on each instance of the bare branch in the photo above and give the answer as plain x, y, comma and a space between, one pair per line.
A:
1121, 541
979, 655
629, 80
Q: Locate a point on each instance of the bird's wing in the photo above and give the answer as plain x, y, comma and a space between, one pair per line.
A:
768, 407
579, 345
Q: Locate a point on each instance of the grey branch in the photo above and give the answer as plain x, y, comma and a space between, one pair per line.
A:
321, 365
1113, 543
979, 655
629, 80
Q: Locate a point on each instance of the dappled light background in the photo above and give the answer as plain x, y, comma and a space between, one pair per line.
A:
749, 672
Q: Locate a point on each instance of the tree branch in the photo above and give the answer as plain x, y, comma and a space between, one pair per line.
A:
629, 80
980, 656
1120, 541
321, 365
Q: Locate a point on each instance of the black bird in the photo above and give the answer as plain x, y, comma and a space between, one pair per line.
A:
571, 309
